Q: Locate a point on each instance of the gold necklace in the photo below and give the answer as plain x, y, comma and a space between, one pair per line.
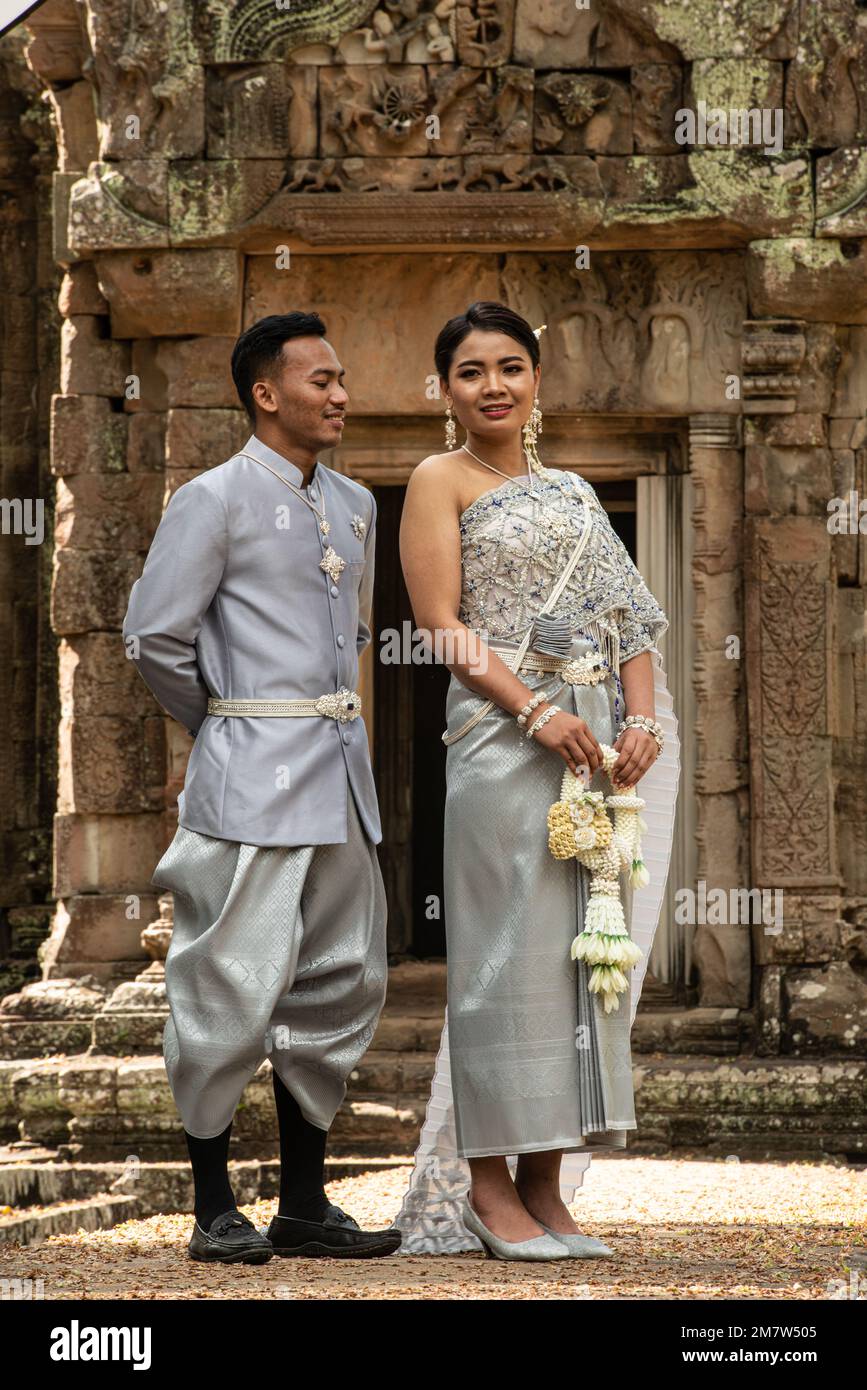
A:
332, 563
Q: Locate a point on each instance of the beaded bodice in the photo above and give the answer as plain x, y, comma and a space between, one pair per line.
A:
514, 547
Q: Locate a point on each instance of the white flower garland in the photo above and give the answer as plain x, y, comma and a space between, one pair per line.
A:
579, 827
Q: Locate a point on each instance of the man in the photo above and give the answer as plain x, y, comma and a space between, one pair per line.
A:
246, 624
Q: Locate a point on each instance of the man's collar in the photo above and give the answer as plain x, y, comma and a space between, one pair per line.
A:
265, 454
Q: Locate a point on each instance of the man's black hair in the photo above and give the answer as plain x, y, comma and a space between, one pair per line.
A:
259, 348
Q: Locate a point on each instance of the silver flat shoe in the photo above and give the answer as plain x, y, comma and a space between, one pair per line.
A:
538, 1248
579, 1247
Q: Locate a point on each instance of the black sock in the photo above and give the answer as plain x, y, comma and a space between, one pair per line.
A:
302, 1160
210, 1160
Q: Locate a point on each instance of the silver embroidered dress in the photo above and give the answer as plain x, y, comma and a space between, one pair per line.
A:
529, 1060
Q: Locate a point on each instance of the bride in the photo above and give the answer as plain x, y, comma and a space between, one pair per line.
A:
550, 635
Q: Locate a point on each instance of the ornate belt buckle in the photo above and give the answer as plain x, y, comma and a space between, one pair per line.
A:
343, 705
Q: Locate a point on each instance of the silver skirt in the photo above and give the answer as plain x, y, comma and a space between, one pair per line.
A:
535, 1062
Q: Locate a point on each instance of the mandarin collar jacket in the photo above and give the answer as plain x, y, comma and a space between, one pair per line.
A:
232, 602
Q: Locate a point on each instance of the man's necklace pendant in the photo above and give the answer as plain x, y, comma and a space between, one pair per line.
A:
332, 563
324, 526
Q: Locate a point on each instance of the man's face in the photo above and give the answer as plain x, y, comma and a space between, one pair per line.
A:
304, 393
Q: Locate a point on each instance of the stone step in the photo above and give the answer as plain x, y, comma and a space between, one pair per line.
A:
105, 1108
716, 1032
125, 1016
97, 1213
156, 1187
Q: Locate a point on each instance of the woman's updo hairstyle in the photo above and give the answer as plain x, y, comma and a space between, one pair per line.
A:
490, 317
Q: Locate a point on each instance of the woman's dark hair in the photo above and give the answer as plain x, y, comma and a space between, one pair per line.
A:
490, 317
259, 348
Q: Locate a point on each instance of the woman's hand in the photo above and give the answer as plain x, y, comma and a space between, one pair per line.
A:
569, 736
638, 752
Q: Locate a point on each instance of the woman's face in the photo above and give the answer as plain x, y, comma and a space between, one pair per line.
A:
492, 384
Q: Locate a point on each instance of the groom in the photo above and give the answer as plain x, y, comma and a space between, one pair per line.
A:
247, 623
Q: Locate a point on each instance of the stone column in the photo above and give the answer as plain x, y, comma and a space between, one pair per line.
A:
804, 980
722, 953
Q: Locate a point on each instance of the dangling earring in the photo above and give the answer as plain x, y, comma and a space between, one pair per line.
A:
532, 430
451, 431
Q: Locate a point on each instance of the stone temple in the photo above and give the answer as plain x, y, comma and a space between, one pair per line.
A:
171, 172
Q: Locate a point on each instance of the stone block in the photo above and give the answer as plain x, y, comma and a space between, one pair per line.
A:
209, 200
787, 431
484, 35
850, 384
88, 1086
814, 280
581, 113
825, 1010
63, 250
57, 45
90, 590
75, 119
107, 512
438, 283
787, 481
106, 854
110, 765
551, 35
168, 294
247, 110
87, 436
98, 678
197, 372
819, 368
657, 95
146, 442
98, 927
90, 364
824, 94
79, 291
150, 394
738, 84
150, 81
199, 439
118, 206
841, 183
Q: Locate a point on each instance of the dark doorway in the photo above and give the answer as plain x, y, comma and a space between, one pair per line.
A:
409, 755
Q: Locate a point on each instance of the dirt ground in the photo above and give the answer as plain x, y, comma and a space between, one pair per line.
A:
681, 1229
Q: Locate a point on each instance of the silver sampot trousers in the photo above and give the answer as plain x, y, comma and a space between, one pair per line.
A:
278, 952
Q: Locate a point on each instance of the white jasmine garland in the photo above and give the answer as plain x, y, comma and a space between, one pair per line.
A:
580, 828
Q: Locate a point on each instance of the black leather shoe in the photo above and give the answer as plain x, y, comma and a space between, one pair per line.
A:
231, 1240
338, 1236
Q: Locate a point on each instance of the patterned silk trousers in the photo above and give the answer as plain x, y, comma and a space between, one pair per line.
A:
278, 952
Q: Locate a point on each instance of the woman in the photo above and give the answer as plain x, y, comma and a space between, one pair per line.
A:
533, 1064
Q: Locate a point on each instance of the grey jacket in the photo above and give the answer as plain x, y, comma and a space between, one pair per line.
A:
232, 602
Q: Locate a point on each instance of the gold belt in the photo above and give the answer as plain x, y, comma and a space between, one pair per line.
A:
342, 704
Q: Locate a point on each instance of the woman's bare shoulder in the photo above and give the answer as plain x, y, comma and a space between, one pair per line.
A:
436, 474
437, 465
